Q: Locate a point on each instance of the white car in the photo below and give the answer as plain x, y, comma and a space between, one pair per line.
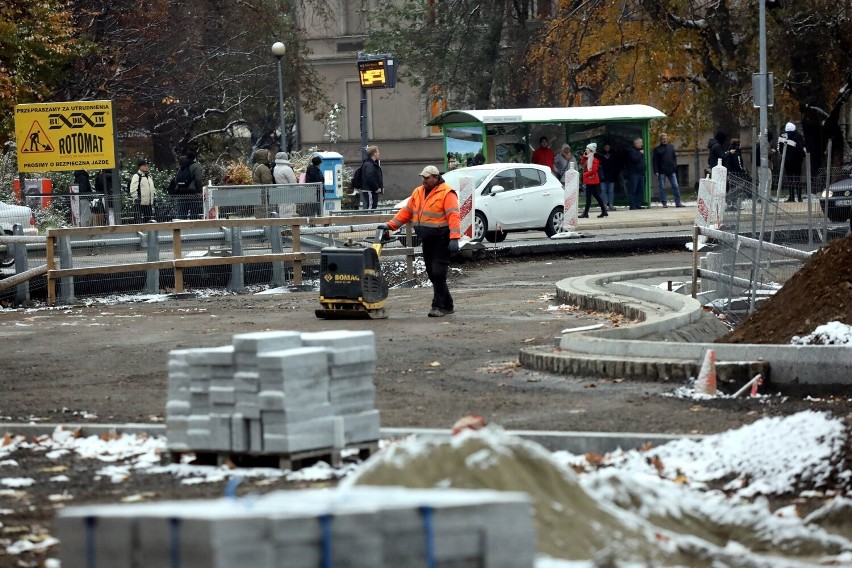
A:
511, 197
11, 215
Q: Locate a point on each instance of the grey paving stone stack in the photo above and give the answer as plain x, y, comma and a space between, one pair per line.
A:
246, 424
297, 415
363, 527
274, 392
352, 394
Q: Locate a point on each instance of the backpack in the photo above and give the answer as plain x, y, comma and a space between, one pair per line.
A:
357, 178
129, 183
183, 180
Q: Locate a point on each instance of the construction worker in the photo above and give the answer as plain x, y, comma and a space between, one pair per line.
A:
433, 208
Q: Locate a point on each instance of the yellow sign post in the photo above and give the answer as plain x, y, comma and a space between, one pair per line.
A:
65, 136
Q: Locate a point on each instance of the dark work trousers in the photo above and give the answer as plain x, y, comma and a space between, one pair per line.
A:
437, 259
593, 189
793, 184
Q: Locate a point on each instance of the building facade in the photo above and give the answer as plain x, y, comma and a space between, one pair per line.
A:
396, 117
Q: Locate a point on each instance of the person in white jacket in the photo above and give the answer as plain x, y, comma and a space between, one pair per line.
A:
283, 170
142, 191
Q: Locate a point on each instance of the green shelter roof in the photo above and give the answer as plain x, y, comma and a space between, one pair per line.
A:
545, 115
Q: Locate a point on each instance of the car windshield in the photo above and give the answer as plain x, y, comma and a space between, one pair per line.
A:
454, 177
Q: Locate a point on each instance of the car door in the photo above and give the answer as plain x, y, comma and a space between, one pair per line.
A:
504, 208
535, 198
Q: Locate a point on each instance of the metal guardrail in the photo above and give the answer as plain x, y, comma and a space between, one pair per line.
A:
179, 246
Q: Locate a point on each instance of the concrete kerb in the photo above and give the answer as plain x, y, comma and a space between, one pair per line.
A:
574, 442
600, 352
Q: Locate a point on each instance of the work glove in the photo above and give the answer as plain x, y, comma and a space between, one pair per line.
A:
384, 227
453, 247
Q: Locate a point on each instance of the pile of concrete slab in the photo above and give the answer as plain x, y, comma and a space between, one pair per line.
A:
276, 392
369, 527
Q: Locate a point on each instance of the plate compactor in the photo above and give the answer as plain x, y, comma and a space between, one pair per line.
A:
351, 282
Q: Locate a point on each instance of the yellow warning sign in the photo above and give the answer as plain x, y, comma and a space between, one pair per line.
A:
65, 136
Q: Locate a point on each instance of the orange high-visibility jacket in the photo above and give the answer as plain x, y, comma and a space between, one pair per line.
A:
432, 216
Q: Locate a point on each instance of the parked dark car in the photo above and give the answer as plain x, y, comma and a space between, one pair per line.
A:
839, 201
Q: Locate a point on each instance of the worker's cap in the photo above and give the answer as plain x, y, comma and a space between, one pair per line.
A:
142, 162
790, 127
430, 171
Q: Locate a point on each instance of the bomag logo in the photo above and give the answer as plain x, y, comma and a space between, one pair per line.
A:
344, 278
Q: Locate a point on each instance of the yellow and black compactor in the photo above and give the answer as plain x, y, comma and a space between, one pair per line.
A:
351, 282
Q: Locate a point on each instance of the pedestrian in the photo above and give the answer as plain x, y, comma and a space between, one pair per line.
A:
590, 166
609, 172
738, 178
282, 170
543, 155
84, 189
142, 191
716, 147
793, 159
102, 206
372, 179
260, 172
433, 209
636, 169
196, 185
314, 173
563, 162
664, 164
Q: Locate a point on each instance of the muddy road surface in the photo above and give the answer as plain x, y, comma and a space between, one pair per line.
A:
107, 362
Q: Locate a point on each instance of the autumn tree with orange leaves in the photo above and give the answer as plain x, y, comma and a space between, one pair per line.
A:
693, 59
36, 36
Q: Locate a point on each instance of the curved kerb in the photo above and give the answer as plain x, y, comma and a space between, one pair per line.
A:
622, 353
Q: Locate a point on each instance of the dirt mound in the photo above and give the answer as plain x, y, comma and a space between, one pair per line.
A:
818, 293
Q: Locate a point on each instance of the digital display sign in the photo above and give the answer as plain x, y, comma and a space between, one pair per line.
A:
377, 72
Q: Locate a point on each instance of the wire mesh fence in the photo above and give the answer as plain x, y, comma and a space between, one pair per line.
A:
759, 243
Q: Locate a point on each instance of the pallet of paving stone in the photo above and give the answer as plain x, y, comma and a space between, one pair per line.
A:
285, 461
365, 449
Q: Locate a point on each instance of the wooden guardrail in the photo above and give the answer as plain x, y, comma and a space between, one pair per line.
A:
179, 263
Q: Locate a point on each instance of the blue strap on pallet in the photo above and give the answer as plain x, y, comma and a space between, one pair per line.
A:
231, 487
90, 541
429, 535
174, 553
325, 541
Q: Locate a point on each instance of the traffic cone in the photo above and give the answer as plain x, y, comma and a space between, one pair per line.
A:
706, 381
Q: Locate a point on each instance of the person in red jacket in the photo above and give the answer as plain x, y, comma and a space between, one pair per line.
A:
433, 209
590, 165
543, 155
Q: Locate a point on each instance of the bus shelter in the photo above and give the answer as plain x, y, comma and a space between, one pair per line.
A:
511, 135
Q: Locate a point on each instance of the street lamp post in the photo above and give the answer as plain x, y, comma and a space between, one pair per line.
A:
278, 50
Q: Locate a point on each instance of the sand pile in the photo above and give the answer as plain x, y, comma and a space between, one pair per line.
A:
607, 518
819, 293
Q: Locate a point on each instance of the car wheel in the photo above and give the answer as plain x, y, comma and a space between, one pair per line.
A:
7, 258
555, 222
480, 227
